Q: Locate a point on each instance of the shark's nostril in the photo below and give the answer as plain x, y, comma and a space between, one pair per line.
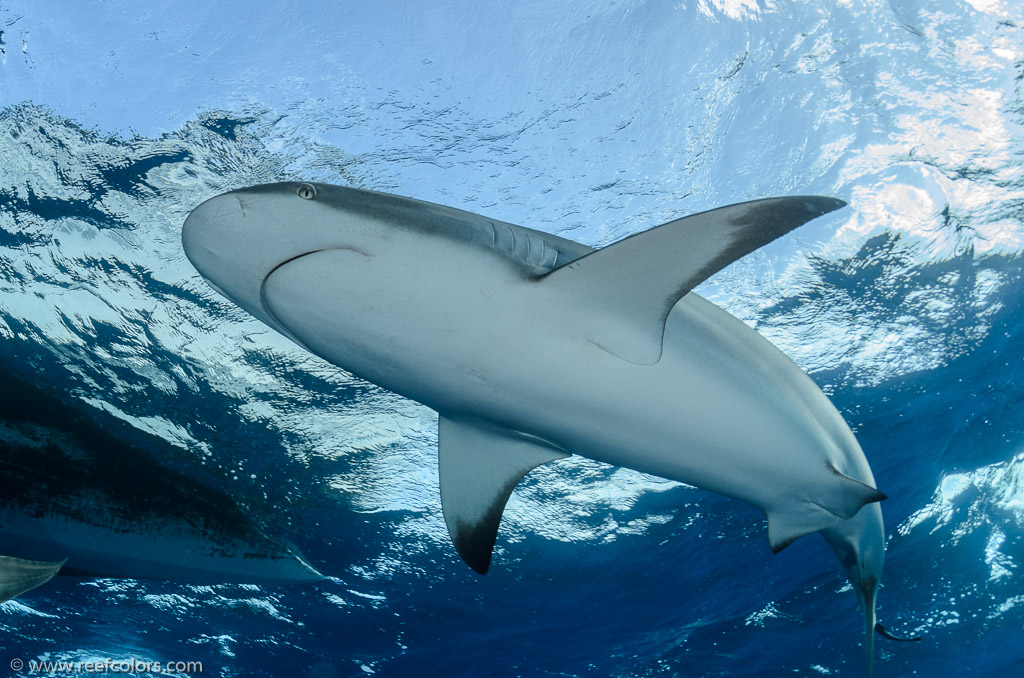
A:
241, 206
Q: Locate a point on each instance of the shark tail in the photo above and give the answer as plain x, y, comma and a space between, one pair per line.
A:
869, 627
886, 633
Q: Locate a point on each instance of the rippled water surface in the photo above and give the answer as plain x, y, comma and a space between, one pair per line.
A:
593, 121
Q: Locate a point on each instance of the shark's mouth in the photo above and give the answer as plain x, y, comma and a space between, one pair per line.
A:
268, 307
263, 291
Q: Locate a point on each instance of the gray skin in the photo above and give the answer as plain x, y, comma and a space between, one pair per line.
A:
18, 575
485, 323
859, 543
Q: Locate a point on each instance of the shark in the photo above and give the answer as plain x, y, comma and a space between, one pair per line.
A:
82, 494
532, 347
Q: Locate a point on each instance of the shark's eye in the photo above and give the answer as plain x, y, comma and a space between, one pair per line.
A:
306, 191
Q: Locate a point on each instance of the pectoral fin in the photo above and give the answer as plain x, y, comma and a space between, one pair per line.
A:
18, 575
638, 280
479, 465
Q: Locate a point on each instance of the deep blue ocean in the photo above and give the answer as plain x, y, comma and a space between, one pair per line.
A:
592, 120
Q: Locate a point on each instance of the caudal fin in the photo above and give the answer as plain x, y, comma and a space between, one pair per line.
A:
869, 627
885, 633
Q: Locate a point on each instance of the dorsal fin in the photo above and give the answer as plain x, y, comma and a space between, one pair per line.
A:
479, 464
640, 278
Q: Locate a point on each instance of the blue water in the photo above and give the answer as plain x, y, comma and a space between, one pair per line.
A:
593, 121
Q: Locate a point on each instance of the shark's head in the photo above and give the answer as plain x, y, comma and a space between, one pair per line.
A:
237, 239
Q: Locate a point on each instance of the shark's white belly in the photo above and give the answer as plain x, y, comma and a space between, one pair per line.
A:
722, 409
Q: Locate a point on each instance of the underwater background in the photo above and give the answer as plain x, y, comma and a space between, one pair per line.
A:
592, 120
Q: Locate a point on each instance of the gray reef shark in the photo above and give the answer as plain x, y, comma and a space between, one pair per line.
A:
532, 347
75, 498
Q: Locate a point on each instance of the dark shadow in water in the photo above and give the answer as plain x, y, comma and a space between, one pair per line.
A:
67, 464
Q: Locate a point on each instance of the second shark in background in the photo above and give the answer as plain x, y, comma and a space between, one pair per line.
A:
76, 499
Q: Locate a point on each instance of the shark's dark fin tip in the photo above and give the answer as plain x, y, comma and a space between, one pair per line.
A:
789, 523
479, 466
856, 492
776, 547
475, 542
885, 633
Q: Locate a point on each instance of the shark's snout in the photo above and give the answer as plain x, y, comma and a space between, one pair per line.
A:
228, 241
221, 246
207, 228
